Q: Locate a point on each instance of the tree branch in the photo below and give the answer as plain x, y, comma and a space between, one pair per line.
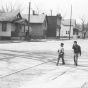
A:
2, 6
38, 10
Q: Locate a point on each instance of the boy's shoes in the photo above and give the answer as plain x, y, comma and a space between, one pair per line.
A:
75, 64
63, 63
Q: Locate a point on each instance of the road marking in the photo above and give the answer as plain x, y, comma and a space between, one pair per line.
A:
25, 69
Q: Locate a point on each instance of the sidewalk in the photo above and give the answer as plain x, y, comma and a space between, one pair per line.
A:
9, 41
18, 56
32, 40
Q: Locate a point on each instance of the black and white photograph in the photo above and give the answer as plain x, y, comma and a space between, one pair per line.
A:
43, 43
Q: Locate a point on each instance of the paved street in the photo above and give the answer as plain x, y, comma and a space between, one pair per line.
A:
33, 65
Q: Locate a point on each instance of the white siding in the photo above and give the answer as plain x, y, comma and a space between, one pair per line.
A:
64, 29
7, 32
13, 27
57, 32
37, 29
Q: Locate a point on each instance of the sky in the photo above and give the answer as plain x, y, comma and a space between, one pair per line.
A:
79, 7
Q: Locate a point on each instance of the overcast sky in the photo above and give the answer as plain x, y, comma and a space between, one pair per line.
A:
79, 7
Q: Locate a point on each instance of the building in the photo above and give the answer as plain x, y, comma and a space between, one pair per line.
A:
65, 27
54, 23
11, 24
82, 31
38, 25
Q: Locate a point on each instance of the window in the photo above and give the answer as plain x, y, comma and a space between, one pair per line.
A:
4, 26
67, 32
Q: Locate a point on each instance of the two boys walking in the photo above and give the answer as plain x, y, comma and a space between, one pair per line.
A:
77, 51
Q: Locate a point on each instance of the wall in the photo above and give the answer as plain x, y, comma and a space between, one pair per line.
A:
44, 28
64, 29
13, 28
86, 34
6, 33
36, 29
51, 27
44, 25
58, 25
58, 21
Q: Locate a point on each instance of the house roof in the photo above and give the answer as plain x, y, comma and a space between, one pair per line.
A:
35, 18
8, 16
66, 22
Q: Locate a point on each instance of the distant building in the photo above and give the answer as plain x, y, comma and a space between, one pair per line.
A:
53, 26
11, 24
79, 27
65, 27
82, 33
38, 25
86, 30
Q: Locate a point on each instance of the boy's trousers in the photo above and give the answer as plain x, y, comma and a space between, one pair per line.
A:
76, 58
62, 57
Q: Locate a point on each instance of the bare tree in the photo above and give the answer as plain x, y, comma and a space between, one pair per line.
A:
87, 26
38, 8
64, 15
2, 7
9, 7
83, 26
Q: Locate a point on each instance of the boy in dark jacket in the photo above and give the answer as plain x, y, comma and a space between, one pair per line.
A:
77, 50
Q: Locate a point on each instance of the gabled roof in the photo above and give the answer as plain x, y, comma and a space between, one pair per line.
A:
8, 16
66, 22
35, 18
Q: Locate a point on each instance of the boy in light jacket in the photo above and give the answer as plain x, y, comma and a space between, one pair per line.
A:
61, 54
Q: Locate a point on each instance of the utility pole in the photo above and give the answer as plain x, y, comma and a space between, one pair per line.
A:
70, 22
29, 20
51, 12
